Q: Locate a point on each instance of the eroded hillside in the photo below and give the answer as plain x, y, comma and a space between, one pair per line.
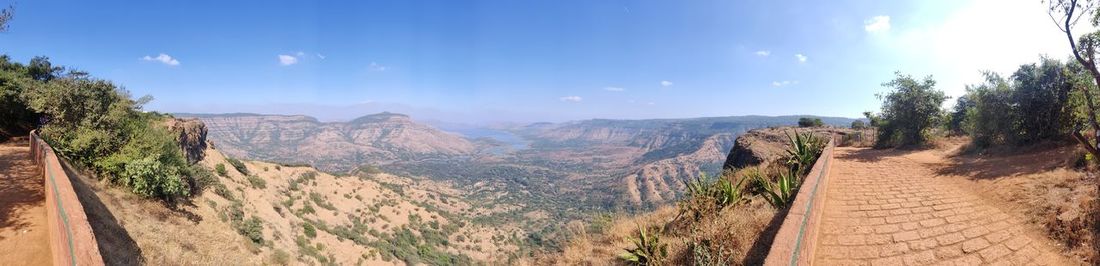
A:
639, 161
267, 213
338, 147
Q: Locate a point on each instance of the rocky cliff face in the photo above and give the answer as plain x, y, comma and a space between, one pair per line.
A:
762, 146
756, 147
191, 135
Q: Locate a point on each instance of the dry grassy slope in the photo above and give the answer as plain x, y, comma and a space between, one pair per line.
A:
134, 230
351, 196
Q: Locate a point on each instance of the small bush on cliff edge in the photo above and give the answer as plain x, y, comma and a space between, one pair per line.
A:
238, 165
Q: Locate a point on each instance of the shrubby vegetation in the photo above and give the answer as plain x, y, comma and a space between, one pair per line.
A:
858, 124
810, 122
96, 125
1035, 103
220, 169
237, 164
909, 111
256, 181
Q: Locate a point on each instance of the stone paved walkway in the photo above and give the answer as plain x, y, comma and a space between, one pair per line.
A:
885, 208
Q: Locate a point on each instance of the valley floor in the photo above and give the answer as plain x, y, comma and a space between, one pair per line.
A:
23, 236
893, 207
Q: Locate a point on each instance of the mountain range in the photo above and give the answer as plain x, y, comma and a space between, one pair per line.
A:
561, 169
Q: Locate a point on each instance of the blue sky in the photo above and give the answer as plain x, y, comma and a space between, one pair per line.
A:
482, 61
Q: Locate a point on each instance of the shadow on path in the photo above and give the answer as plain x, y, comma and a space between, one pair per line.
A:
20, 186
1009, 164
868, 155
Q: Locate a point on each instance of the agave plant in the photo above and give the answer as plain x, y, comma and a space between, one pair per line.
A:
780, 192
804, 150
723, 191
647, 250
727, 192
697, 186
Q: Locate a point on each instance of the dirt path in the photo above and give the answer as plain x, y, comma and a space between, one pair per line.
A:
23, 235
891, 208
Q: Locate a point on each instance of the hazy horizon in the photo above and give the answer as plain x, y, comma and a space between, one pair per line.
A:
331, 113
492, 61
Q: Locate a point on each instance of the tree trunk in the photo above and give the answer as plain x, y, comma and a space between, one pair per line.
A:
1094, 149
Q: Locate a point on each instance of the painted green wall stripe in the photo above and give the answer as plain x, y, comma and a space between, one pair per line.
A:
809, 209
60, 207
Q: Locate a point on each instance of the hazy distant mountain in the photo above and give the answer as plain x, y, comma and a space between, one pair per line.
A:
334, 146
587, 164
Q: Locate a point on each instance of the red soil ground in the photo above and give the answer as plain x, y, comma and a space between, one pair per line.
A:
23, 235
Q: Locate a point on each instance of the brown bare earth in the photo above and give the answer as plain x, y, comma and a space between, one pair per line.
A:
23, 236
896, 207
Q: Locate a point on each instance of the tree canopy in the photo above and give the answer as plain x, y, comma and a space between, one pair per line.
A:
93, 123
909, 110
810, 122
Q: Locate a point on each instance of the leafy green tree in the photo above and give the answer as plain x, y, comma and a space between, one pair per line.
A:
16, 118
1066, 14
909, 110
990, 118
1040, 95
957, 117
810, 122
1034, 104
858, 124
41, 69
95, 124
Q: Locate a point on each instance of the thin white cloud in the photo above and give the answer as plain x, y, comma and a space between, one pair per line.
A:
665, 83
287, 60
376, 67
614, 89
763, 53
801, 58
320, 56
877, 24
574, 99
163, 58
784, 83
